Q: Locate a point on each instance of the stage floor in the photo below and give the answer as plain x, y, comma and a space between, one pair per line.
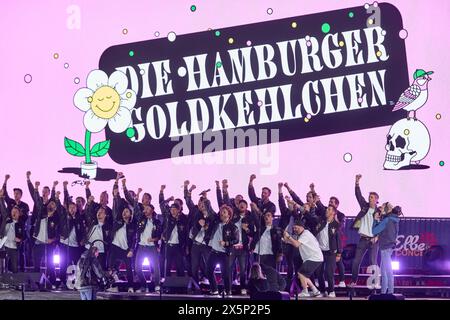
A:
74, 295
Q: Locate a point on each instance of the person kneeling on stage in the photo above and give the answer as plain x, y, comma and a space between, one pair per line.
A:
386, 228
311, 255
148, 234
257, 282
327, 233
223, 234
90, 274
12, 232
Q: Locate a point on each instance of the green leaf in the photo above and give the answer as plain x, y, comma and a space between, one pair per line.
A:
100, 149
74, 148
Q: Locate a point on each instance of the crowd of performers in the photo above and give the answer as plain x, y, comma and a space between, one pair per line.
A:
194, 238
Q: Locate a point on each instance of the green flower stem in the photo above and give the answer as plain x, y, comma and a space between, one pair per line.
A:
87, 146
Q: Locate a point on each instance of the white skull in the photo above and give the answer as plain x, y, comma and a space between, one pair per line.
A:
407, 140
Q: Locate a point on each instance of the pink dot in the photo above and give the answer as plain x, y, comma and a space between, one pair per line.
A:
360, 100
308, 43
308, 116
403, 34
375, 4
307, 38
249, 43
260, 103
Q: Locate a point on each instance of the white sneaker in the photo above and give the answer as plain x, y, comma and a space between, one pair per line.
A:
243, 292
157, 289
304, 294
341, 284
332, 294
378, 286
316, 294
236, 282
214, 293
112, 289
130, 290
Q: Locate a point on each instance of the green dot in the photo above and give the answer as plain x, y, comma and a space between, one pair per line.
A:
217, 33
131, 53
351, 14
218, 64
441, 163
326, 28
130, 132
193, 8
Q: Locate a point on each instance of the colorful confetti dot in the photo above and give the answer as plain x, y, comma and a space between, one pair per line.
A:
260, 103
379, 53
403, 34
309, 116
306, 120
76, 80
441, 163
156, 33
366, 6
360, 100
383, 32
438, 116
351, 14
27, 78
217, 33
66, 65
269, 11
193, 7
375, 4
182, 71
326, 28
89, 99
55, 56
142, 71
171, 36
307, 38
294, 24
131, 53
130, 132
249, 43
308, 43
230, 40
341, 43
218, 64
370, 21
129, 95
125, 31
406, 132
348, 157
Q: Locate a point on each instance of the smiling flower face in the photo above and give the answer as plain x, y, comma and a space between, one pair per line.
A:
106, 101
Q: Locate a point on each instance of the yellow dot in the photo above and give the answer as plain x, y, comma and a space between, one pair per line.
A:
306, 120
438, 116
379, 53
294, 24
55, 56
230, 40
129, 94
89, 99
406, 132
370, 21
341, 43
125, 31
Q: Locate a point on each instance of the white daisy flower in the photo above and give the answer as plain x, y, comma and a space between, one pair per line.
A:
106, 101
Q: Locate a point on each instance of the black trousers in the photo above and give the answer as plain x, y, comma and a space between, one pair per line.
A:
364, 244
293, 261
267, 259
223, 260
68, 256
117, 255
12, 256
199, 258
326, 271
174, 255
241, 255
341, 270
44, 253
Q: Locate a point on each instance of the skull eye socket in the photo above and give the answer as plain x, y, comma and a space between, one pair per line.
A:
389, 137
400, 142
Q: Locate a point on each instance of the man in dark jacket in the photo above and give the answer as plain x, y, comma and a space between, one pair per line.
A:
386, 228
263, 204
328, 236
90, 274
364, 223
222, 235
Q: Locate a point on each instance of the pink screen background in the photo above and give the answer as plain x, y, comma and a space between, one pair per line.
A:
41, 113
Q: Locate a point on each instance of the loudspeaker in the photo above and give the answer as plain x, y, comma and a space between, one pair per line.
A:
176, 284
386, 297
30, 280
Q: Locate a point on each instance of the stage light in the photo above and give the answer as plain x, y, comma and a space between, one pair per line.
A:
56, 259
217, 265
146, 262
395, 265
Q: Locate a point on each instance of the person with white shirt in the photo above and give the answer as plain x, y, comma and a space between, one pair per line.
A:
222, 236
328, 236
149, 231
266, 244
12, 232
123, 237
311, 254
364, 223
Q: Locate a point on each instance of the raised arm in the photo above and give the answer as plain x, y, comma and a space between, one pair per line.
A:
163, 204
127, 194
88, 191
226, 195
219, 194
3, 210
53, 192
251, 190
361, 201
137, 211
31, 188
116, 205
188, 195
294, 196
66, 194
5, 191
